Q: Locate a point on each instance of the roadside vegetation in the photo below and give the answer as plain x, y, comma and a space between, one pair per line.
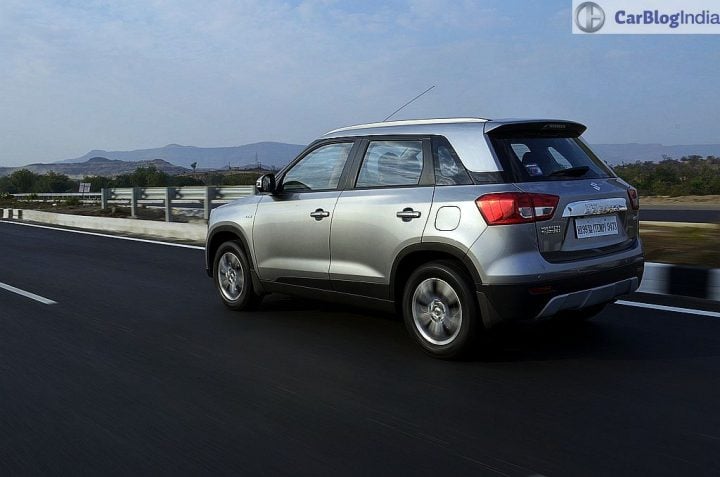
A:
692, 175
25, 181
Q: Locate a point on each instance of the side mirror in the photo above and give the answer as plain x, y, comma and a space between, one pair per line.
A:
266, 183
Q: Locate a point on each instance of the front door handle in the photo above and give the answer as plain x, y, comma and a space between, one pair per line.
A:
319, 214
407, 214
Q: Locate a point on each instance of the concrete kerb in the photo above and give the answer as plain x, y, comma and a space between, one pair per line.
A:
10, 213
170, 230
714, 284
681, 280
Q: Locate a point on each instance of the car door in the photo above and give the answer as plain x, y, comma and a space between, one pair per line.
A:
291, 232
385, 211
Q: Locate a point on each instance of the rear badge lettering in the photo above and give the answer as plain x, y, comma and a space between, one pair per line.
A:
550, 229
589, 207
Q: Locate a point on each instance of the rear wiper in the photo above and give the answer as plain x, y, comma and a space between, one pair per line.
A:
571, 172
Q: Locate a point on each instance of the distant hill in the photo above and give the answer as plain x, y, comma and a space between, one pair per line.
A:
97, 166
176, 159
277, 154
616, 154
269, 154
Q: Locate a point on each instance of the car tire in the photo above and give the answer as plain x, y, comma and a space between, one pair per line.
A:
440, 310
231, 274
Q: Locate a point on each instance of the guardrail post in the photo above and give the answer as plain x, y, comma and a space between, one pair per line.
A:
207, 203
133, 202
104, 193
169, 194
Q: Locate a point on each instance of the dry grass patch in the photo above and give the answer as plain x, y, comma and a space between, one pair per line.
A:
682, 245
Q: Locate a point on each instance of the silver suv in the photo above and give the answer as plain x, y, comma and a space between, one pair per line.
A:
459, 224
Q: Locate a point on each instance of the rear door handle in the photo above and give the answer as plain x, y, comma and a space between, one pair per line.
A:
407, 214
319, 214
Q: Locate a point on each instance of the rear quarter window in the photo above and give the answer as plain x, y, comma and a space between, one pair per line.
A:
449, 170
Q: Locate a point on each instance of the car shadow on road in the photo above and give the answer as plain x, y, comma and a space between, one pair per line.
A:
619, 333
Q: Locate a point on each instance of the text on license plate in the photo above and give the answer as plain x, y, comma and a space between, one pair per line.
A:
596, 226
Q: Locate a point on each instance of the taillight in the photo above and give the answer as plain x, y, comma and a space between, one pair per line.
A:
634, 198
516, 207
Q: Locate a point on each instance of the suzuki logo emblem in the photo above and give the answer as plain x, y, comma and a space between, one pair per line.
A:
594, 186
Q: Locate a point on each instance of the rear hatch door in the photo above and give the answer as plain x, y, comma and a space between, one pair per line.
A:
594, 214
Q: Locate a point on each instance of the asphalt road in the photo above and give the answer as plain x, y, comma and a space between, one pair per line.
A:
680, 214
138, 369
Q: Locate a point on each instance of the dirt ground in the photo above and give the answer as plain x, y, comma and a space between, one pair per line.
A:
698, 246
692, 200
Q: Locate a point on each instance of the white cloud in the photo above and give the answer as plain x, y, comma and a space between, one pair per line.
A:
115, 75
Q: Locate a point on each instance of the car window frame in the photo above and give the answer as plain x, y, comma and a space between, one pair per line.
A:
427, 174
314, 146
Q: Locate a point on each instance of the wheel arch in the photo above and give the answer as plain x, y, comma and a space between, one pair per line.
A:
223, 233
414, 255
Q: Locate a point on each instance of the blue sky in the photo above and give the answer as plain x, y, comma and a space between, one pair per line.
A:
81, 75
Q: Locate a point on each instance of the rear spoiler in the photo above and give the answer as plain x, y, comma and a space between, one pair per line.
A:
540, 127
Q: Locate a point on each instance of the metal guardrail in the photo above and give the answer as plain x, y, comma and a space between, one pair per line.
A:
206, 195
45, 196
138, 195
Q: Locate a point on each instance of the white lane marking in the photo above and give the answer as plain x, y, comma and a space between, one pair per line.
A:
689, 311
96, 234
27, 294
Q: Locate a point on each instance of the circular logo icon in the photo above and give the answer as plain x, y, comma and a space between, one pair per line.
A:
589, 17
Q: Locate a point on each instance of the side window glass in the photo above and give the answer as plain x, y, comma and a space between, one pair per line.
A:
319, 170
391, 163
448, 168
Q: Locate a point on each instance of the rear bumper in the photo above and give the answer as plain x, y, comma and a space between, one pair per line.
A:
585, 298
541, 299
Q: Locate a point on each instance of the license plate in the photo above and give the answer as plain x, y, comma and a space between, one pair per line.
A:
596, 226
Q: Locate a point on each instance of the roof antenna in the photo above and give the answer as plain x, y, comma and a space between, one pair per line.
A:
401, 107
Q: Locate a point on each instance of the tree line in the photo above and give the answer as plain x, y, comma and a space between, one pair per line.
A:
25, 181
691, 175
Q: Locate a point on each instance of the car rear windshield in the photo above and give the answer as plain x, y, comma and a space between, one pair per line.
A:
538, 158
